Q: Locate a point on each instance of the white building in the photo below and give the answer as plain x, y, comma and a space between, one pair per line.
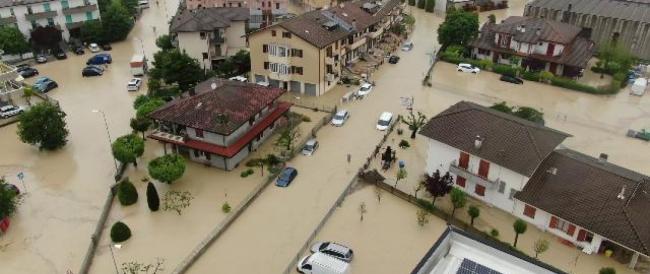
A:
457, 251
490, 154
66, 15
209, 35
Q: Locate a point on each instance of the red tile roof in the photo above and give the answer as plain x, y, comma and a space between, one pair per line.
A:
219, 106
233, 149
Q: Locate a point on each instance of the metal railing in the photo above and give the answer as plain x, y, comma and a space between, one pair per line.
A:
465, 173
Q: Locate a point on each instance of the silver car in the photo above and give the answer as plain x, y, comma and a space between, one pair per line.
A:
9, 111
310, 147
335, 250
340, 118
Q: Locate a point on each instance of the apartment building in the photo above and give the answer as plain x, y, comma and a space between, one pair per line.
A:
66, 15
209, 35
220, 122
305, 54
262, 13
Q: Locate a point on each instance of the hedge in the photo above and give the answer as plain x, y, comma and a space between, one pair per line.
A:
153, 201
120, 232
505, 69
126, 193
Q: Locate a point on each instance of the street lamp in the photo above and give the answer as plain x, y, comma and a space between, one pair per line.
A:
108, 132
118, 246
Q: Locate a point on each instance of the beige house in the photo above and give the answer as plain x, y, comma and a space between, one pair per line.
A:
209, 35
306, 54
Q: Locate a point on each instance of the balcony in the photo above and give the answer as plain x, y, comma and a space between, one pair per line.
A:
470, 176
357, 42
331, 77
329, 60
40, 15
166, 136
218, 40
376, 32
8, 20
80, 9
217, 54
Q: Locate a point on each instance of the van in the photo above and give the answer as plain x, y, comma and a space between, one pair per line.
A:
384, 120
319, 263
138, 65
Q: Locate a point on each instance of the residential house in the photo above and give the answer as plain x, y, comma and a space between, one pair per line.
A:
306, 54
209, 35
65, 15
458, 251
220, 122
540, 44
626, 22
589, 202
262, 13
490, 154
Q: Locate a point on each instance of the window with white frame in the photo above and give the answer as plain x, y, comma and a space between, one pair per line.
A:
502, 187
279, 68
512, 193
277, 50
563, 225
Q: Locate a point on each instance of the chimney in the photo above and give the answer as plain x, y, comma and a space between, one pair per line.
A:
478, 142
523, 28
538, 32
621, 195
354, 23
552, 170
602, 158
569, 7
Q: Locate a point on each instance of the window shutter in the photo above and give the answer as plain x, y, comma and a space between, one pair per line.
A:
266, 65
529, 211
265, 48
460, 181
554, 222
582, 235
572, 229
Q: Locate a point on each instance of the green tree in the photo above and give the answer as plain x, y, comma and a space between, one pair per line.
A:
503, 107
288, 138
131, 6
421, 4
541, 246
126, 192
120, 232
401, 174
473, 212
530, 114
140, 100
46, 37
117, 22
176, 67
607, 270
164, 42
146, 108
520, 227
9, 200
430, 5
422, 216
408, 19
415, 122
153, 200
128, 148
411, 2
459, 28
167, 168
43, 125
28, 92
12, 41
458, 200
92, 31
237, 64
141, 124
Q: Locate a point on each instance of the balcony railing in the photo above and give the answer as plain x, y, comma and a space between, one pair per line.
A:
470, 176
218, 40
168, 136
79, 9
40, 15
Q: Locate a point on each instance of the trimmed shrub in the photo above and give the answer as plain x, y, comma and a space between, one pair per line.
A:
126, 192
421, 4
226, 207
254, 162
120, 232
153, 201
494, 233
306, 119
571, 84
504, 69
246, 173
530, 75
404, 144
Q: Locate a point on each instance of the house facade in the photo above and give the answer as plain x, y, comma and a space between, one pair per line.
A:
209, 35
305, 54
220, 122
603, 21
590, 203
491, 155
262, 13
65, 15
538, 44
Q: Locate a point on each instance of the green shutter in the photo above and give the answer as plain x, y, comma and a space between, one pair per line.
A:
89, 15
68, 19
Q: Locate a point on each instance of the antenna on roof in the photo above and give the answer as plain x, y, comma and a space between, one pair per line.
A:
478, 142
621, 195
552, 170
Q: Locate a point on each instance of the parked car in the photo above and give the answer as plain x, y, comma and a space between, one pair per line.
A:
94, 48
511, 79
78, 49
27, 72
42, 79
335, 250
91, 71
100, 59
320, 263
286, 176
10, 111
238, 78
106, 47
393, 59
46, 85
310, 147
59, 53
408, 46
41, 58
364, 89
467, 68
134, 84
340, 117
385, 118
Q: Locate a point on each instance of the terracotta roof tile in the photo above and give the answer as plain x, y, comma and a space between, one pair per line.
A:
207, 19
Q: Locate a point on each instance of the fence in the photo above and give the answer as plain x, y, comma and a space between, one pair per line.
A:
97, 234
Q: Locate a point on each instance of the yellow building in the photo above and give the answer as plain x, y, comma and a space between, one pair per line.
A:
305, 54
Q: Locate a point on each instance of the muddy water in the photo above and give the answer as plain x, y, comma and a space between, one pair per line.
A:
66, 188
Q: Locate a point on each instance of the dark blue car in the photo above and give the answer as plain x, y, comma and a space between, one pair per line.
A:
286, 176
100, 59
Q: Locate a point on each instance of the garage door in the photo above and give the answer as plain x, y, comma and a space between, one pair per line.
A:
274, 83
310, 89
294, 87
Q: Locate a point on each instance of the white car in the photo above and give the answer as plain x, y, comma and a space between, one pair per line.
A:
10, 110
335, 250
385, 118
467, 68
134, 84
340, 117
238, 78
310, 147
93, 47
364, 89
408, 46
320, 263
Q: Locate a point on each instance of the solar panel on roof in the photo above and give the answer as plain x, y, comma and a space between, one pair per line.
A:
470, 267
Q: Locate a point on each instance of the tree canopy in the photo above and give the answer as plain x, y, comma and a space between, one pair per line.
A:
46, 36
140, 124
237, 64
459, 28
164, 42
9, 200
176, 67
149, 106
117, 22
167, 168
12, 41
92, 31
527, 113
43, 125
128, 148
438, 186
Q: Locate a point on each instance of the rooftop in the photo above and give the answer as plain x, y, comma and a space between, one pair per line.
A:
633, 10
600, 196
507, 140
219, 106
207, 19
